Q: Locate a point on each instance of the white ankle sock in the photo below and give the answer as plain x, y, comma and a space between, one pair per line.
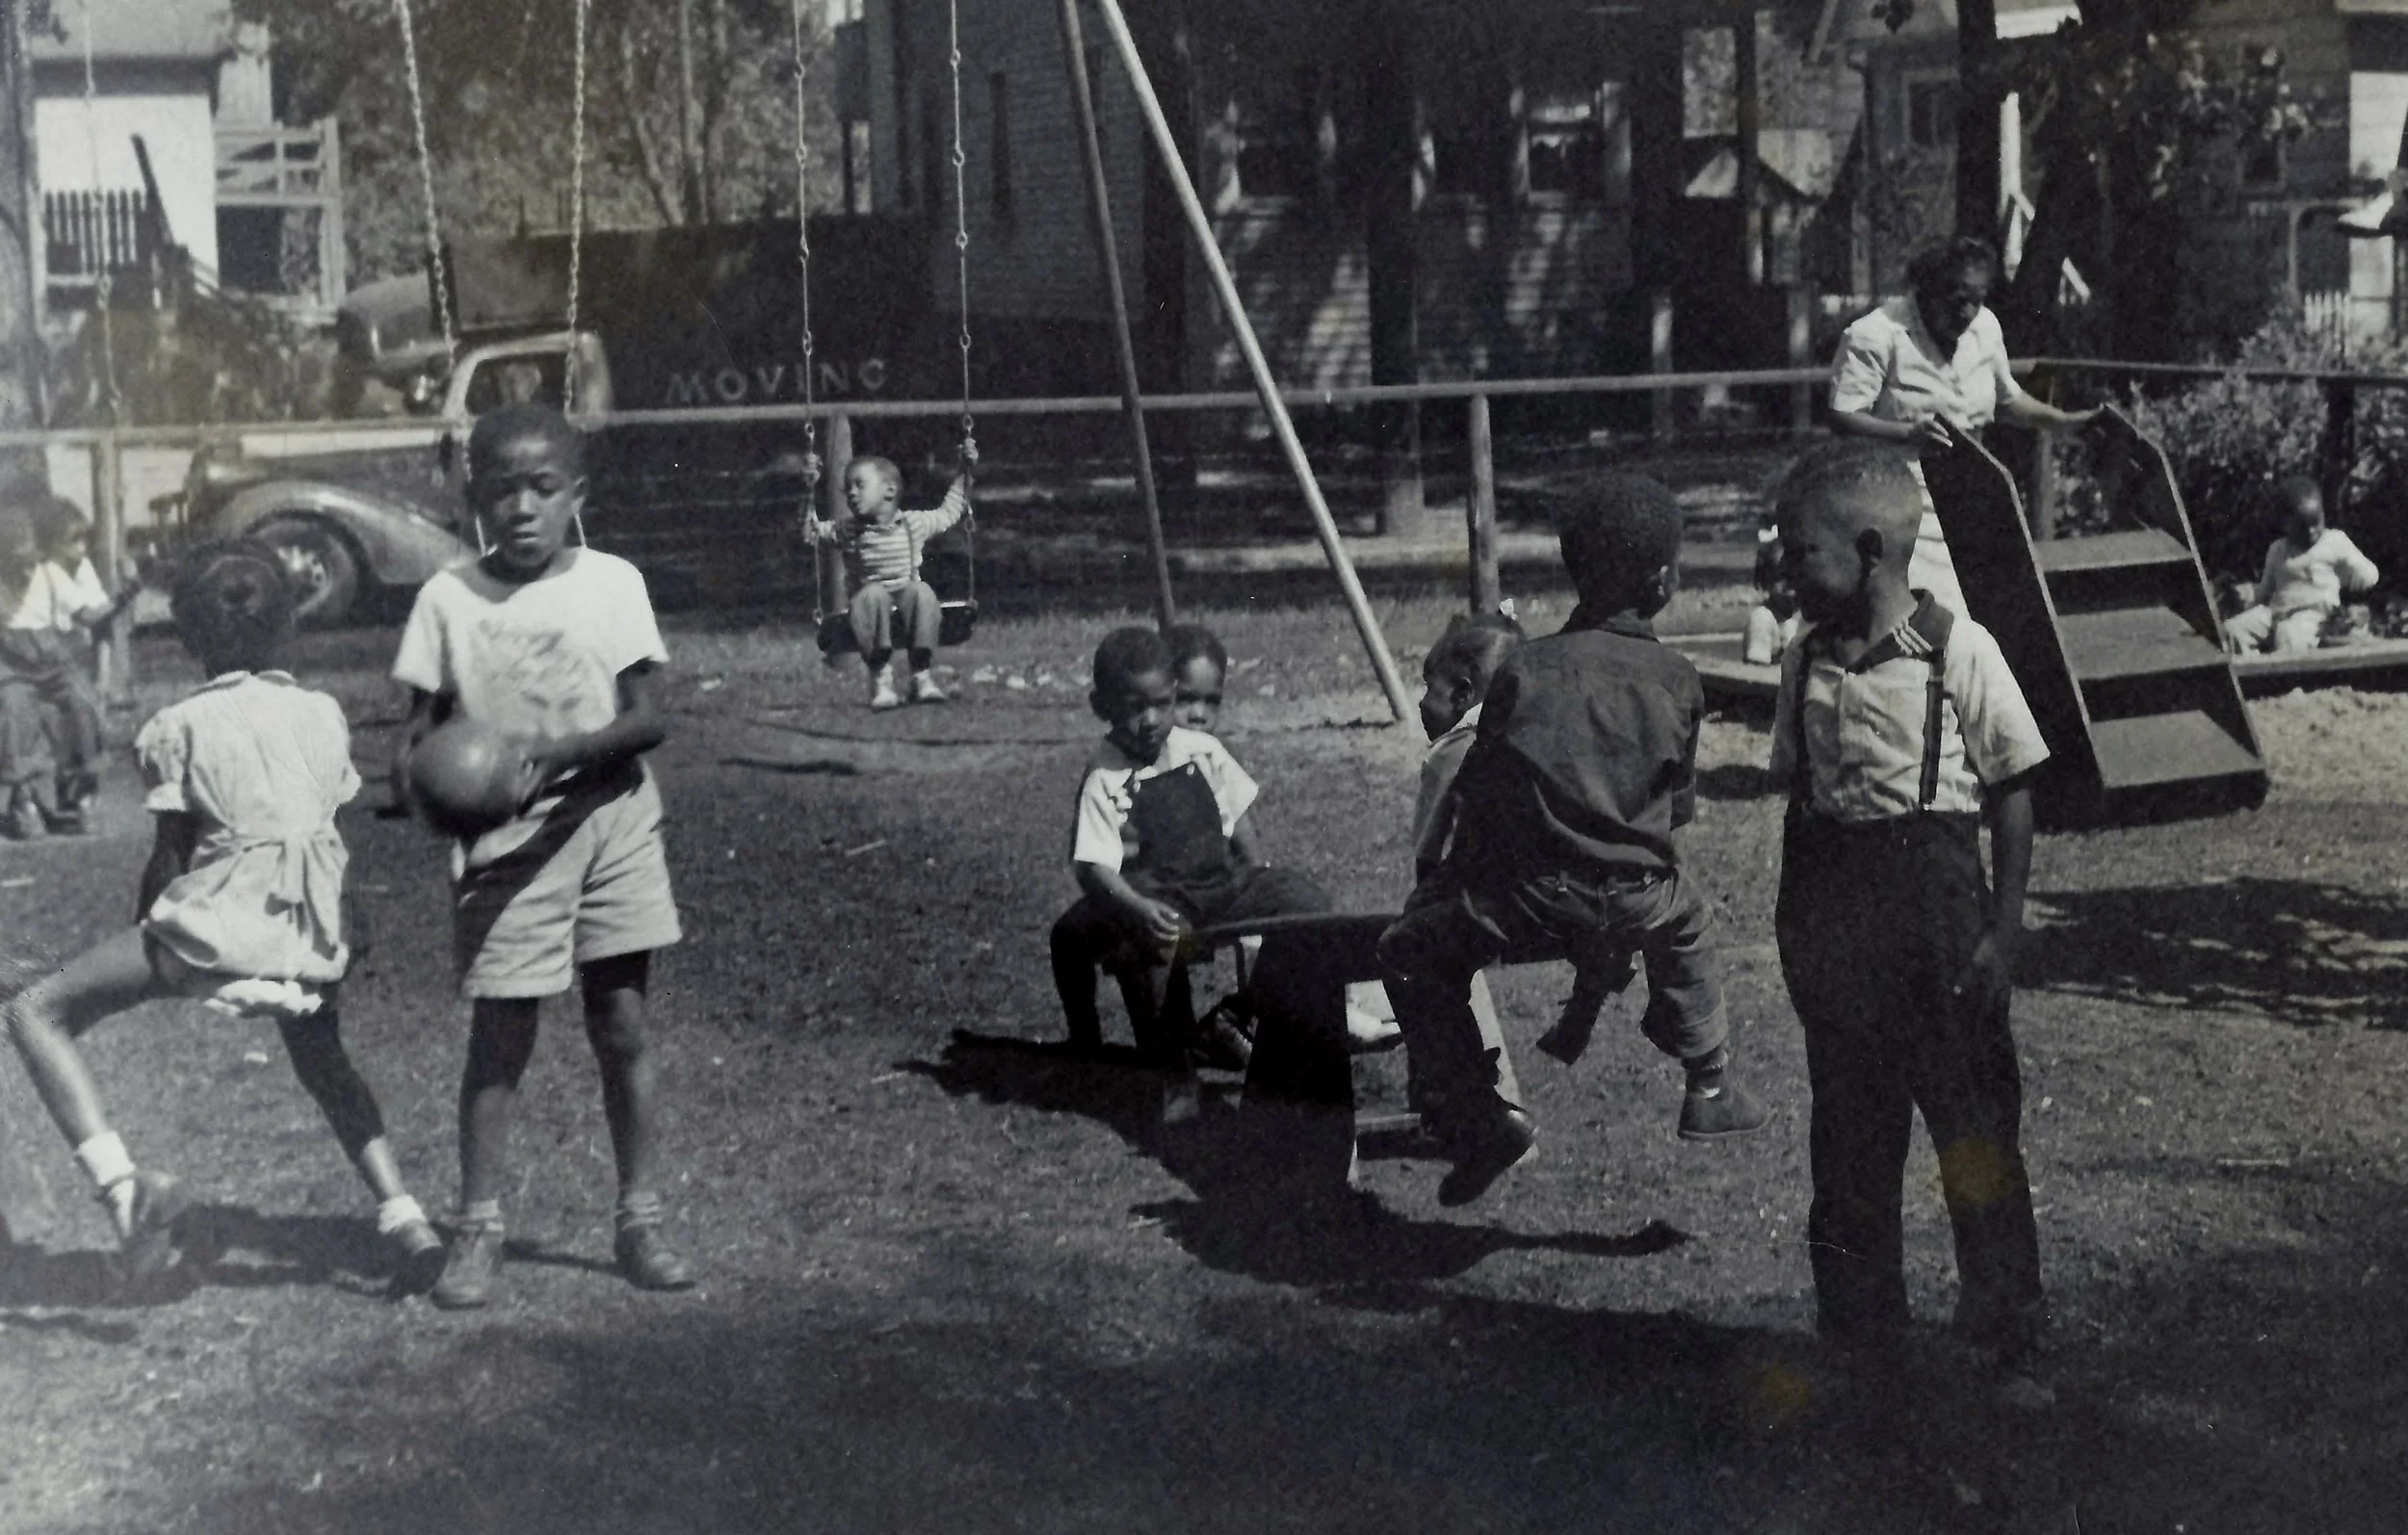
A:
394, 1213
110, 1170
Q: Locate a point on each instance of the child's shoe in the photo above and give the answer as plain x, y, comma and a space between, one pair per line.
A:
146, 1244
882, 694
648, 1260
923, 690
469, 1268
1715, 1108
419, 1259
1486, 1154
1221, 1042
25, 820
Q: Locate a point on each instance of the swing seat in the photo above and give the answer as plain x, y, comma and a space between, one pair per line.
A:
957, 619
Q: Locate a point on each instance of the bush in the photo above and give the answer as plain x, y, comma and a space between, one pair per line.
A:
2232, 441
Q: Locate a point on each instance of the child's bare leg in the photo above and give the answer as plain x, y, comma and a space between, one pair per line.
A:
315, 1047
44, 1021
501, 1041
614, 991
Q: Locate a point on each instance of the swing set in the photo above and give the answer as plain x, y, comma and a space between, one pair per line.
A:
833, 630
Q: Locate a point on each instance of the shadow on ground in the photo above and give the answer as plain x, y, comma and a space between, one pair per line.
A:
2299, 952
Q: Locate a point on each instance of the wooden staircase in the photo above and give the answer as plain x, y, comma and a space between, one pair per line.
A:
2114, 637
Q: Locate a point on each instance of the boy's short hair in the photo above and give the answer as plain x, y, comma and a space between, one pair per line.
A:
2293, 489
1126, 654
883, 464
514, 423
233, 601
1476, 646
55, 518
1618, 536
1193, 641
16, 534
1850, 466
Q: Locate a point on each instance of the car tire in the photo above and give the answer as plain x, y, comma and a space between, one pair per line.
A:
323, 566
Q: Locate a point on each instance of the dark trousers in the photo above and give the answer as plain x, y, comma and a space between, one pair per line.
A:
1877, 924
1446, 936
1154, 982
43, 664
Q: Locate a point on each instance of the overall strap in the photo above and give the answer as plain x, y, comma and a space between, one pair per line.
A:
1931, 624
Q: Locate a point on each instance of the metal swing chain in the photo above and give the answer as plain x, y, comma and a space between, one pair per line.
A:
961, 262
571, 395
101, 284
803, 252
426, 182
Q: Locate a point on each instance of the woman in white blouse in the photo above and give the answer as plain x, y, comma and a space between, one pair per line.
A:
1932, 356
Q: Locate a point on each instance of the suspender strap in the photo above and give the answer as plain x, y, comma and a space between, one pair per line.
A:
1931, 623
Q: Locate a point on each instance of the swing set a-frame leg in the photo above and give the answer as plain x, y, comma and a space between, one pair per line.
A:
1099, 206
1225, 290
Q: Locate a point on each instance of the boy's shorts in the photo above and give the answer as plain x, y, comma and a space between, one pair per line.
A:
583, 878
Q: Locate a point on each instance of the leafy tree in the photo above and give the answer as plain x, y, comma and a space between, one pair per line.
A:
2136, 123
498, 83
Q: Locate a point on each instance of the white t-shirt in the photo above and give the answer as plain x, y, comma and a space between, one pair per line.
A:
1889, 367
52, 597
1102, 836
541, 659
2314, 578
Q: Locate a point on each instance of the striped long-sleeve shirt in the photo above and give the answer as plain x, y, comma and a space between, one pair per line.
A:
888, 554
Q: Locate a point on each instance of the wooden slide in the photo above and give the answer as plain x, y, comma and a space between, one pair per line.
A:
2114, 637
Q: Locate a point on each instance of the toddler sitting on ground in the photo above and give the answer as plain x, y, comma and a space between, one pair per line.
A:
2308, 571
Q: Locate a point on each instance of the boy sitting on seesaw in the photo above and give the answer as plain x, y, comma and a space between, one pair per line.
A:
2308, 571
1899, 729
881, 545
1160, 845
1582, 763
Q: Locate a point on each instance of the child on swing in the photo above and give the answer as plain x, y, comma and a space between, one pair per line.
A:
240, 907
881, 545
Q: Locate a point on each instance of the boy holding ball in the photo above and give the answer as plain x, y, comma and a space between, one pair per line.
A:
553, 644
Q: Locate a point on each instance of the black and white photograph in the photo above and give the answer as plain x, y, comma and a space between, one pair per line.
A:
1389, 768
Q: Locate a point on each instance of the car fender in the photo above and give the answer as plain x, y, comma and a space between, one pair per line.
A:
397, 545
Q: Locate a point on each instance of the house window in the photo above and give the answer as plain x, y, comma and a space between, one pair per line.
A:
1929, 103
1566, 143
1279, 137
1472, 135
999, 145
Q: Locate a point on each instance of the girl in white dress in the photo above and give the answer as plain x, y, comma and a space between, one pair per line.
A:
241, 906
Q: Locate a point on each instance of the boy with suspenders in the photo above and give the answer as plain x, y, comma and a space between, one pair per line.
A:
1898, 730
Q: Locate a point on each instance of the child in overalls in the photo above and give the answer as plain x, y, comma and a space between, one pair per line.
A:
1899, 729
1160, 845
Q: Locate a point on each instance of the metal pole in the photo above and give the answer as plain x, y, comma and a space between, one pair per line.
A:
1480, 511
1225, 289
115, 661
835, 463
1125, 349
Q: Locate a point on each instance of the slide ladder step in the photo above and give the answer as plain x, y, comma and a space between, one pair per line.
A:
2184, 746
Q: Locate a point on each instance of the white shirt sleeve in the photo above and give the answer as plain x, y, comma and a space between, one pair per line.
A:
1103, 811
2001, 737
1233, 788
1862, 369
2350, 563
163, 749
424, 661
633, 632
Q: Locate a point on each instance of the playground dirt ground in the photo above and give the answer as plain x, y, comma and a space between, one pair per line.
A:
953, 1281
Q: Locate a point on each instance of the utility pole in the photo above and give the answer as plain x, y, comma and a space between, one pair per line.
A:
20, 233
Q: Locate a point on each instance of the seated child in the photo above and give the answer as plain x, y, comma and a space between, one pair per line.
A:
1772, 623
555, 644
1160, 845
881, 545
1898, 730
241, 906
75, 602
1581, 765
2308, 571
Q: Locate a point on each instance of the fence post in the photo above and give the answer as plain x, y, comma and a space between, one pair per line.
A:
1659, 360
2340, 444
1801, 356
1480, 512
113, 657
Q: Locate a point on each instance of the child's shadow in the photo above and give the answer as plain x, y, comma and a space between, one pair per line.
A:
1237, 1222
